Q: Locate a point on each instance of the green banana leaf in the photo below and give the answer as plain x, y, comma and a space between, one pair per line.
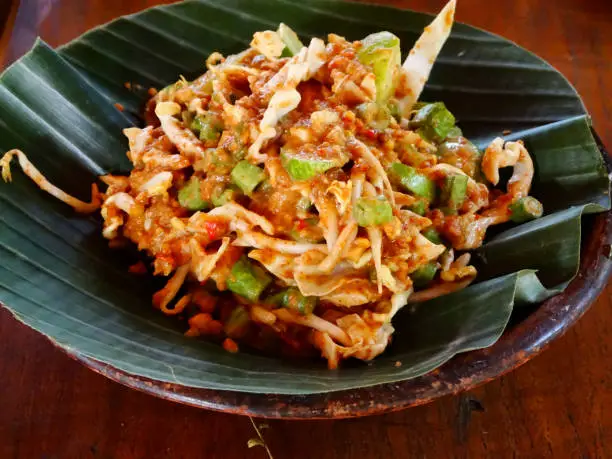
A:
58, 276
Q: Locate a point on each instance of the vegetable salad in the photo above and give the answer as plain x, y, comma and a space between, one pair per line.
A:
298, 195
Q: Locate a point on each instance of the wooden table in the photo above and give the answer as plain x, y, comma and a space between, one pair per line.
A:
556, 406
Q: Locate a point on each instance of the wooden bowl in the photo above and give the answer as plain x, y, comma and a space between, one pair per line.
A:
517, 345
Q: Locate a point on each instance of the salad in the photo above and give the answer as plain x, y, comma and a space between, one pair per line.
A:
298, 195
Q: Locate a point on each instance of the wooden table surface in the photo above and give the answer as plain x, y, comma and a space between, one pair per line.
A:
558, 405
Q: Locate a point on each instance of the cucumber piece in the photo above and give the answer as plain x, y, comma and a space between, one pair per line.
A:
382, 51
434, 122
292, 42
372, 211
454, 133
302, 168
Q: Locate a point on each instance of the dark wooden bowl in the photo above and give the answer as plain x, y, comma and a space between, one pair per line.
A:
517, 345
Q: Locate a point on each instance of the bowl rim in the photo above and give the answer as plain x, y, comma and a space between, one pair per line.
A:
463, 372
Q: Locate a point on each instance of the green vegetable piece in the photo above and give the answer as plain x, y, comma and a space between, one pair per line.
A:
374, 115
207, 127
462, 154
414, 182
458, 146
453, 192
382, 51
526, 209
454, 133
218, 161
247, 176
296, 301
277, 300
423, 276
419, 207
434, 122
291, 298
190, 197
237, 325
302, 168
196, 124
227, 195
411, 156
248, 280
372, 211
293, 45
431, 234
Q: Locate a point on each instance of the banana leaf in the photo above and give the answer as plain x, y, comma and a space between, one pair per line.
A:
58, 276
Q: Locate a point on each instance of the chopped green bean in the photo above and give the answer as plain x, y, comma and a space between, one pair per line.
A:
419, 207
414, 182
237, 325
454, 192
525, 209
291, 298
423, 276
190, 196
247, 176
225, 196
207, 127
247, 279
433, 235
277, 299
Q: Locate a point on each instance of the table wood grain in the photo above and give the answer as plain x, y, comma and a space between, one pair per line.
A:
559, 405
